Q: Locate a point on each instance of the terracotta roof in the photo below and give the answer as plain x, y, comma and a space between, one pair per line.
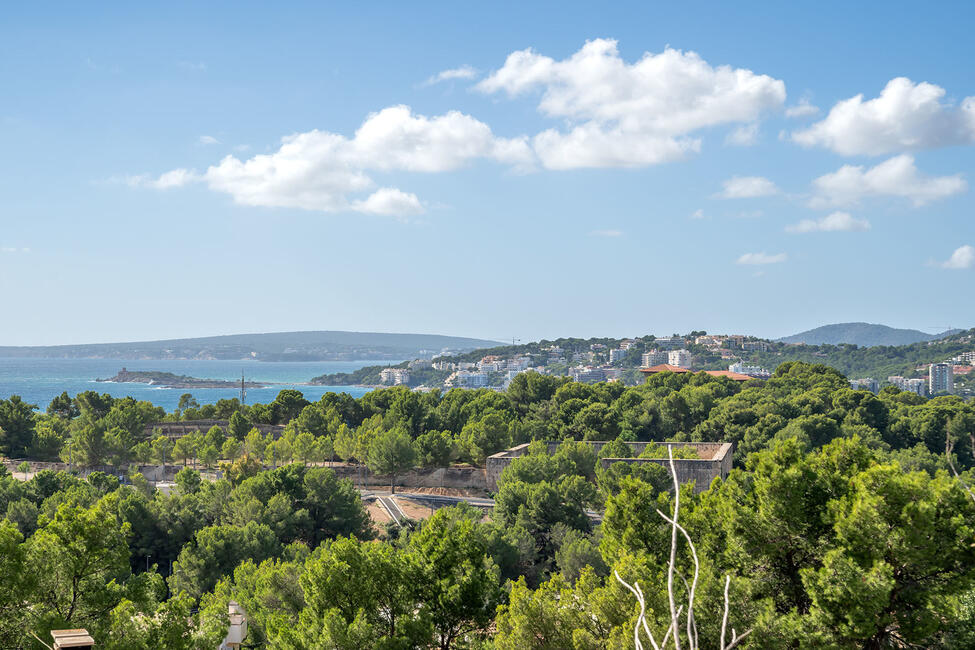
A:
736, 376
666, 367
663, 367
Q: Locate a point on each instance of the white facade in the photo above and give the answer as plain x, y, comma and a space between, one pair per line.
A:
519, 363
654, 358
616, 355
918, 386
751, 371
466, 379
679, 358
394, 376
964, 359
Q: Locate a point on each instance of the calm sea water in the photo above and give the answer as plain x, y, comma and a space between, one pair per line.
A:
39, 380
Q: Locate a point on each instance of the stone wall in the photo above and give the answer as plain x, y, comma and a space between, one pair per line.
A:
469, 478
715, 460
183, 427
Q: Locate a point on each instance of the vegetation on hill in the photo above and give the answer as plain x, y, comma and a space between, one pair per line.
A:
277, 346
840, 526
862, 335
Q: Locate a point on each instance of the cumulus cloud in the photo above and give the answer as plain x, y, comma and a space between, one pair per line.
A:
743, 136
747, 187
389, 200
962, 258
607, 233
897, 177
802, 109
698, 214
620, 114
463, 72
752, 259
208, 139
906, 116
320, 170
835, 222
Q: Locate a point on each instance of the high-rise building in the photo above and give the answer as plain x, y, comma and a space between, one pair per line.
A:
616, 355
941, 378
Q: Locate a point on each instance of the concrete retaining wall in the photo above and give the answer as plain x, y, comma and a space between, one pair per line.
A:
715, 460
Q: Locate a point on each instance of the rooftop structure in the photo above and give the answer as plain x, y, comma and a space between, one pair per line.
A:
77, 639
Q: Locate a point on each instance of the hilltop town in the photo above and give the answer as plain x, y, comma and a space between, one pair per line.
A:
927, 368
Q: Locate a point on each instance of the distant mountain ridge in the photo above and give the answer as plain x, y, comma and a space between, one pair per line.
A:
276, 346
863, 335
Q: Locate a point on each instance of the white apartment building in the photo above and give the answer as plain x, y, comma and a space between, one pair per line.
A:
964, 359
394, 376
626, 344
918, 386
519, 363
654, 358
467, 379
751, 371
587, 374
420, 364
668, 343
941, 378
616, 355
866, 383
490, 366
679, 358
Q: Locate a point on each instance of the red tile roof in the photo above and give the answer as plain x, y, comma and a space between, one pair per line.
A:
666, 367
736, 376
663, 367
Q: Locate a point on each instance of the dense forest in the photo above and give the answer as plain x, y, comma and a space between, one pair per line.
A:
843, 523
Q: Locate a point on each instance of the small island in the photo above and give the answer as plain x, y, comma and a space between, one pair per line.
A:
170, 380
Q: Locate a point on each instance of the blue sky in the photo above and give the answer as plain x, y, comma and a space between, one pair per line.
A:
558, 169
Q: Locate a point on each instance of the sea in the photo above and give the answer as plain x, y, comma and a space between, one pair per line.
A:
38, 381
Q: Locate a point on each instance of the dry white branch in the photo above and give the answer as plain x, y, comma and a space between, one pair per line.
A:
949, 445
675, 610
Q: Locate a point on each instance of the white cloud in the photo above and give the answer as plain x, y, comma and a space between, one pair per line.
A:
962, 258
802, 109
743, 136
607, 233
463, 72
389, 200
897, 176
319, 170
620, 114
208, 139
906, 116
761, 258
11, 250
835, 222
698, 214
747, 187
168, 180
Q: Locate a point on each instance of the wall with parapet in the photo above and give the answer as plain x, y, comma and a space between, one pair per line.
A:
715, 460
